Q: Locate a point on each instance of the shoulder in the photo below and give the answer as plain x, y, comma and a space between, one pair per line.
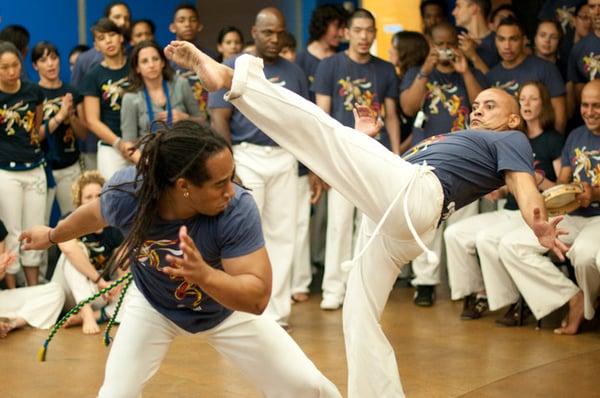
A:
131, 98
553, 137
576, 134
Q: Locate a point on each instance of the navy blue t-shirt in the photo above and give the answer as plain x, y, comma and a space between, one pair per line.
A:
446, 106
582, 154
471, 163
60, 147
108, 85
584, 60
531, 69
487, 50
101, 246
283, 73
19, 139
562, 11
232, 233
348, 82
309, 64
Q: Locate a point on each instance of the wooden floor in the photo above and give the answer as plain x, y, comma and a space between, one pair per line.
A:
438, 355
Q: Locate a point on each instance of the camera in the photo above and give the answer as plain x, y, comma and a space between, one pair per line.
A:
446, 54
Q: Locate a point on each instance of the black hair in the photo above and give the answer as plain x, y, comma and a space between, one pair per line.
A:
228, 29
179, 151
136, 81
186, 6
17, 35
425, 3
361, 13
105, 25
288, 40
322, 16
512, 21
8, 47
112, 4
412, 48
80, 48
147, 22
41, 48
502, 7
485, 6
579, 7
553, 22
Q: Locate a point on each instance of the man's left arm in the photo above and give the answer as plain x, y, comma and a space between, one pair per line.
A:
560, 113
392, 124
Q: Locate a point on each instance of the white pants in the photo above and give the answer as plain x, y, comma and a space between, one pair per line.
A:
464, 271
110, 161
338, 246
428, 273
255, 344
371, 177
39, 305
542, 284
90, 160
271, 173
301, 267
22, 206
64, 182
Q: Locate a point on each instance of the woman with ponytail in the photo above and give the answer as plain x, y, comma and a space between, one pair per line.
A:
196, 250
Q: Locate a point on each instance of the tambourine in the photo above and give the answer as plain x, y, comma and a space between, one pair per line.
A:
560, 199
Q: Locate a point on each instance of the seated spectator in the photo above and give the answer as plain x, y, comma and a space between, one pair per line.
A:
544, 287
61, 125
490, 285
82, 264
37, 306
142, 30
155, 94
229, 42
22, 176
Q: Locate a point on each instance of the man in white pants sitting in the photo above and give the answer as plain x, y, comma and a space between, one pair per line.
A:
402, 200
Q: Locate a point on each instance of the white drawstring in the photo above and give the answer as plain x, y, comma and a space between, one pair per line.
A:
431, 256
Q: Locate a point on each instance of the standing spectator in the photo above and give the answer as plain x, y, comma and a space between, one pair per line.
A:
432, 13
61, 125
517, 68
154, 94
349, 77
229, 42
268, 170
19, 36
75, 53
499, 13
288, 47
22, 176
142, 30
548, 36
103, 90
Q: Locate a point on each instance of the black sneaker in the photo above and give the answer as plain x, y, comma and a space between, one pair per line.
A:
474, 307
515, 315
424, 295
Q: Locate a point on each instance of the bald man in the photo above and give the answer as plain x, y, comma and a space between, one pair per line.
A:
543, 285
403, 200
268, 170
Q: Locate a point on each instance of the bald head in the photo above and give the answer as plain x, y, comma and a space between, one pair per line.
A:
590, 106
495, 109
267, 32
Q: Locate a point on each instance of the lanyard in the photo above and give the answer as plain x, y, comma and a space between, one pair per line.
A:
151, 111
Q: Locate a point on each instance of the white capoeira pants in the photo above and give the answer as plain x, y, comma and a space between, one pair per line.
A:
109, 160
301, 266
372, 178
22, 206
426, 272
259, 347
542, 284
464, 270
271, 174
39, 305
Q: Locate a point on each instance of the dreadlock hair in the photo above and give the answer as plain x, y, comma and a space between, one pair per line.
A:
179, 151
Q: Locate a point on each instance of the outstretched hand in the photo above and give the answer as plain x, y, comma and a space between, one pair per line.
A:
6, 259
366, 120
191, 266
548, 233
36, 238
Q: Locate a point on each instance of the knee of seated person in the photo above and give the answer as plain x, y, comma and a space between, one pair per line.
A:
583, 254
451, 231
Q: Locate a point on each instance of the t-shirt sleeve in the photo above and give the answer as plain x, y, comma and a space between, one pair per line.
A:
480, 77
39, 94
240, 229
129, 117
391, 90
409, 78
565, 159
573, 73
324, 82
554, 81
3, 231
88, 86
118, 203
302, 82
514, 153
557, 142
77, 97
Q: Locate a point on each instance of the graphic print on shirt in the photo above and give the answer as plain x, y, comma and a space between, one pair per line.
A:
51, 108
565, 17
423, 145
150, 256
112, 92
359, 91
591, 65
445, 95
586, 165
277, 81
17, 115
200, 94
511, 86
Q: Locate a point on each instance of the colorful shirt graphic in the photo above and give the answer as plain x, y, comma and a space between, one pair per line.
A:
584, 61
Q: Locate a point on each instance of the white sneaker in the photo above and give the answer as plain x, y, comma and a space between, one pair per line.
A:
330, 304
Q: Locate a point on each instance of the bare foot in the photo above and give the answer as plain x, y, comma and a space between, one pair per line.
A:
6, 325
299, 297
73, 321
575, 316
90, 326
213, 75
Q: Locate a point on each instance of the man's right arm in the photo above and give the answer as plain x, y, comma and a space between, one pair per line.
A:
324, 102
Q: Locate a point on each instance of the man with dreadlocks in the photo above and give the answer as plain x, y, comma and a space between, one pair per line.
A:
198, 260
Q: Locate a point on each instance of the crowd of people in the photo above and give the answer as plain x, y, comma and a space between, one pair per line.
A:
132, 106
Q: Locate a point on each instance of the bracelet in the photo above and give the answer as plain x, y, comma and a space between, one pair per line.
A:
50, 236
116, 143
97, 279
422, 75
